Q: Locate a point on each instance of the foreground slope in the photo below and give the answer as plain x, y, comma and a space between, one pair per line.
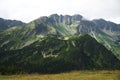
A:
53, 55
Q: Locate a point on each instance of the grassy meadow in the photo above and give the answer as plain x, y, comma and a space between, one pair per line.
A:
74, 75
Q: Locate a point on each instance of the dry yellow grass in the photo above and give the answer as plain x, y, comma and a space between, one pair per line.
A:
75, 75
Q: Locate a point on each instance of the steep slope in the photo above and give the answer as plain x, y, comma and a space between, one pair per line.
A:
5, 24
110, 35
52, 55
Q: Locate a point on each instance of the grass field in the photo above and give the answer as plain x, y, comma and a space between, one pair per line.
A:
75, 75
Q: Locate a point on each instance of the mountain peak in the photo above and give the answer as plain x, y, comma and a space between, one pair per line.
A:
54, 15
65, 19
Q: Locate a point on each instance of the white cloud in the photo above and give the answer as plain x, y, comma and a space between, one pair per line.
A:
27, 10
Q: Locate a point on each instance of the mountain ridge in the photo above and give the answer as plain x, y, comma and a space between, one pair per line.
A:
7, 23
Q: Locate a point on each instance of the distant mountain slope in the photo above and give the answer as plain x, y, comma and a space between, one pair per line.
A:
53, 55
5, 24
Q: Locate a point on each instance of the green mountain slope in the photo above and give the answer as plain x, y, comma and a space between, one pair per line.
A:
5, 24
53, 55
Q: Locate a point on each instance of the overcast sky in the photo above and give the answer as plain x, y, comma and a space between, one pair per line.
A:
28, 10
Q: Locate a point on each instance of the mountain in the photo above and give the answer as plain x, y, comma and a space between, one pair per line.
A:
59, 43
105, 32
5, 24
55, 54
